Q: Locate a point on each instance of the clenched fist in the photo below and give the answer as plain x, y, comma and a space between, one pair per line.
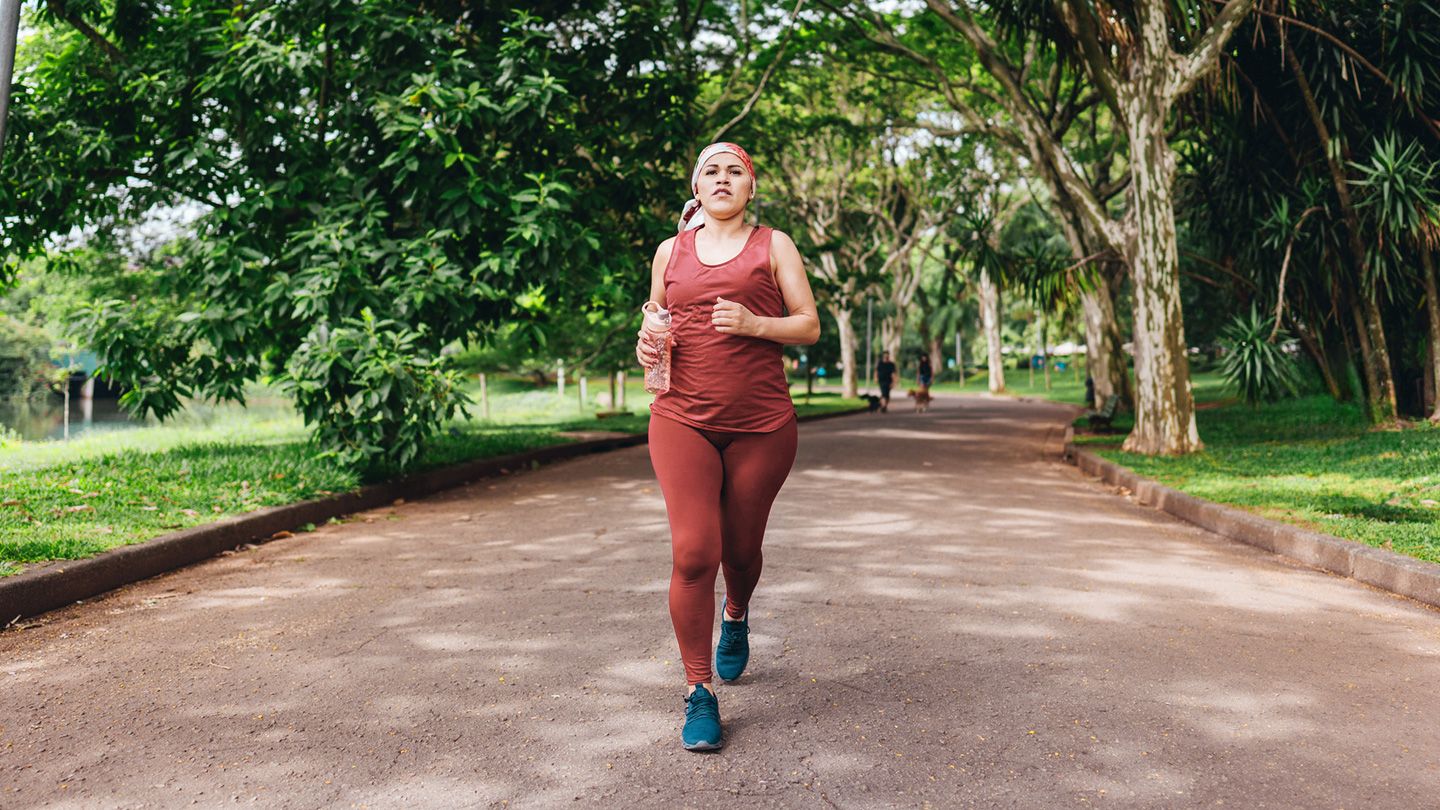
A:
731, 318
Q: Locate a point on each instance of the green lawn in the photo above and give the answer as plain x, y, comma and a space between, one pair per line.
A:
1311, 462
69, 500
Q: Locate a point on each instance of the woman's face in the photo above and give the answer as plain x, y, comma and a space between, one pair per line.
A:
724, 186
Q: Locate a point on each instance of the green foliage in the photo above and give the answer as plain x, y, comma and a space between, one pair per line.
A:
374, 399
24, 358
1399, 199
395, 178
37, 321
1258, 368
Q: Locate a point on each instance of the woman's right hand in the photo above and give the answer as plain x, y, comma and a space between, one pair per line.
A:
645, 351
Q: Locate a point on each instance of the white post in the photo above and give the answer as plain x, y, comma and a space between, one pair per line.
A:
869, 363
959, 360
484, 397
582, 379
621, 405
560, 379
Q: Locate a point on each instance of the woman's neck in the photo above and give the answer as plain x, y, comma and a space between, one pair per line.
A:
723, 228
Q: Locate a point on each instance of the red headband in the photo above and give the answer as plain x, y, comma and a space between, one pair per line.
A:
693, 207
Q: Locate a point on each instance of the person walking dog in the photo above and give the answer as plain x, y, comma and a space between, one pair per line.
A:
723, 437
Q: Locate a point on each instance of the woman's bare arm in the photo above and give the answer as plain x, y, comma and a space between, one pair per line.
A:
657, 271
645, 351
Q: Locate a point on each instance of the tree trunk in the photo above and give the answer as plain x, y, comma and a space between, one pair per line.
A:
937, 356
1380, 398
1384, 406
990, 318
1317, 353
892, 333
1432, 306
1045, 348
1164, 404
1362, 336
1104, 354
1105, 361
847, 349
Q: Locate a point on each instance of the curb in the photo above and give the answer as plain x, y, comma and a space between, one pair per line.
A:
1386, 570
68, 581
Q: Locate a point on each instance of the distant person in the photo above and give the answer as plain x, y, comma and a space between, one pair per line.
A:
885, 375
923, 374
723, 437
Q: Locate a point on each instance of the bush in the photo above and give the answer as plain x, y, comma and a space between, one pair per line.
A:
24, 358
372, 396
1260, 370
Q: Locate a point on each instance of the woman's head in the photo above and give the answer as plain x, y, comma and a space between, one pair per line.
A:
723, 184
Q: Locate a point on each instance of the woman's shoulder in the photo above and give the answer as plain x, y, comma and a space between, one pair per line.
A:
662, 253
779, 238
783, 252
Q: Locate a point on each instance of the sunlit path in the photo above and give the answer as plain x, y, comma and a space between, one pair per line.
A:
948, 615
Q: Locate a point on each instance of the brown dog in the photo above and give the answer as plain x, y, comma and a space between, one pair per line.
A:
922, 399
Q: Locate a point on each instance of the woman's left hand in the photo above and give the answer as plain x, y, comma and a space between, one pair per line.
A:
731, 318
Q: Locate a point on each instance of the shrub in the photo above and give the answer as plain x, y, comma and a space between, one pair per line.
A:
1259, 369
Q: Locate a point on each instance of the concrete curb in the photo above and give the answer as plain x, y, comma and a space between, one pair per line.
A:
1387, 570
62, 583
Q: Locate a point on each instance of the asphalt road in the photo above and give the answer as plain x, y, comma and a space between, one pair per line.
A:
948, 617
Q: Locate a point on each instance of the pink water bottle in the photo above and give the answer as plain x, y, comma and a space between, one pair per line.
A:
657, 330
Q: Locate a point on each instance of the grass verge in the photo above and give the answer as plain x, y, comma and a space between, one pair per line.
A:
70, 500
1310, 462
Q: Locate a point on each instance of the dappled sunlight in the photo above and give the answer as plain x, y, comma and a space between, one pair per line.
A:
361, 539
902, 434
892, 588
232, 598
1003, 628
956, 611
1230, 712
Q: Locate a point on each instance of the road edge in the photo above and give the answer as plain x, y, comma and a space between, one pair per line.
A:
1377, 567
65, 582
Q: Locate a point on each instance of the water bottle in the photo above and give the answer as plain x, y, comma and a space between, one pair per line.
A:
657, 330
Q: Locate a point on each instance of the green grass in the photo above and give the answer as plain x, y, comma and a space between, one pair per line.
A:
70, 500
1064, 387
1310, 462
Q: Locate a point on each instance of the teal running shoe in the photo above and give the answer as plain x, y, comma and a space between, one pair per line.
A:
733, 651
702, 721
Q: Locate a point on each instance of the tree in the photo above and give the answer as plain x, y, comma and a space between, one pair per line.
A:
825, 131
1308, 184
375, 181
1127, 53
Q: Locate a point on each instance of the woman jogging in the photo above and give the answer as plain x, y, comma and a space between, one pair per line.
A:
722, 438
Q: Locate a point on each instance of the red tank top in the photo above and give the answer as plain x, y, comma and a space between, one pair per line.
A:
731, 383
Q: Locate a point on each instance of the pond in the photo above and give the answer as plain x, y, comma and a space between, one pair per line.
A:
43, 419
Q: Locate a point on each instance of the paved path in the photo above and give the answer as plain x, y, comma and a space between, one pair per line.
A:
948, 618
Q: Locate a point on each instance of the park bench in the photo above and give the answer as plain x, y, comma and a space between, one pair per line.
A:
1103, 417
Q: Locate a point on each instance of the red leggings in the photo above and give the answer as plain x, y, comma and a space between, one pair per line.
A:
718, 491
